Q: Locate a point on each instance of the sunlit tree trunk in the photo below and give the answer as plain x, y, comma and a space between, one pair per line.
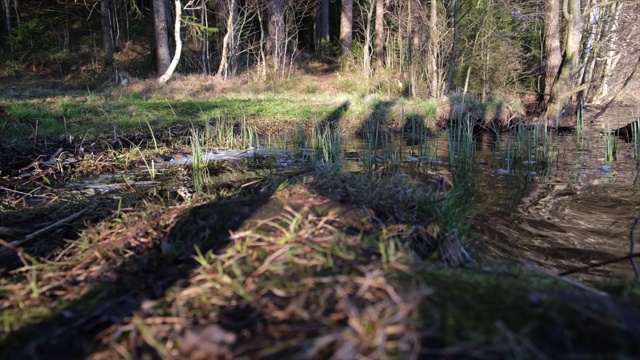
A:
612, 55
565, 83
368, 36
163, 53
452, 57
176, 56
277, 36
107, 33
204, 23
410, 67
433, 49
346, 27
379, 41
229, 60
322, 22
553, 53
587, 52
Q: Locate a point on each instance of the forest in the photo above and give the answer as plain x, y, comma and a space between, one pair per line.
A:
311, 179
581, 51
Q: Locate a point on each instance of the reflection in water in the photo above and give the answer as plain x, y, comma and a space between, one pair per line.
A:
578, 212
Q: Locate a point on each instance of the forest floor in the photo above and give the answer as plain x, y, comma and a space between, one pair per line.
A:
308, 262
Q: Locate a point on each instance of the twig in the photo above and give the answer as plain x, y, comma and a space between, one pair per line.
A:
603, 263
632, 245
23, 193
55, 225
5, 231
21, 253
567, 280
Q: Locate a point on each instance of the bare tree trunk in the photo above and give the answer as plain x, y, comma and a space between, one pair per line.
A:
346, 27
553, 53
107, 33
228, 63
379, 33
368, 35
322, 22
162, 38
587, 53
410, 66
613, 55
176, 56
565, 84
277, 36
7, 16
418, 39
433, 48
629, 78
15, 10
452, 58
204, 22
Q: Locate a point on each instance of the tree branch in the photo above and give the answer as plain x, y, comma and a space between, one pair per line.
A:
176, 57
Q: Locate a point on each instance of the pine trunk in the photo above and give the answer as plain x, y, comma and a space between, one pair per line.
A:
346, 27
107, 34
163, 52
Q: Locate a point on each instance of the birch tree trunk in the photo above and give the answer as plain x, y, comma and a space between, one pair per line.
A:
229, 60
162, 38
612, 55
204, 23
368, 35
346, 27
277, 36
176, 56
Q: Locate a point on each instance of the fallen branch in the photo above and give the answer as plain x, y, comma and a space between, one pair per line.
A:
567, 280
600, 264
19, 251
53, 226
12, 232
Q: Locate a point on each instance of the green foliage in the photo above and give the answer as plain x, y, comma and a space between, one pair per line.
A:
491, 46
91, 42
33, 37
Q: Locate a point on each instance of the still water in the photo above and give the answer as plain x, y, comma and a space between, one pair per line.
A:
579, 211
549, 197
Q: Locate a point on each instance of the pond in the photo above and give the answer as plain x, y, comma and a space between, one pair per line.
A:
559, 199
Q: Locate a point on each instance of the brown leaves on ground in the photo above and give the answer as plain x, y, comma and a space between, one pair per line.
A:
302, 275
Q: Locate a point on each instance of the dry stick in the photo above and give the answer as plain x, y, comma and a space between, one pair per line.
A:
630, 257
52, 226
21, 253
567, 280
600, 264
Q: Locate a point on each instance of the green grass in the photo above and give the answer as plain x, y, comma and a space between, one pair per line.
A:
98, 116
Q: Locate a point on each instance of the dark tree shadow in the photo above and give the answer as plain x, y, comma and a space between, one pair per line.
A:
127, 282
